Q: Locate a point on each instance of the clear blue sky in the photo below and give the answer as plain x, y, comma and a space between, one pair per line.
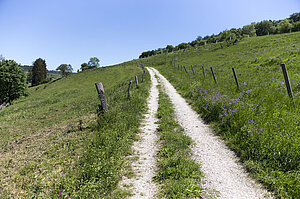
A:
72, 31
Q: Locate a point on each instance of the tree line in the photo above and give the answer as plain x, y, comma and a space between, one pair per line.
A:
265, 27
14, 81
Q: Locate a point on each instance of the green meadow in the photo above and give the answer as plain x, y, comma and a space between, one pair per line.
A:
57, 142
259, 121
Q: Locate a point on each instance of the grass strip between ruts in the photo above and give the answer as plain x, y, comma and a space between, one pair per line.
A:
178, 174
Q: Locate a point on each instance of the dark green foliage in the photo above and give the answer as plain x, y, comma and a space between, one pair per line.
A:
296, 26
182, 46
169, 48
66, 69
295, 17
249, 30
84, 66
265, 27
39, 72
94, 62
12, 81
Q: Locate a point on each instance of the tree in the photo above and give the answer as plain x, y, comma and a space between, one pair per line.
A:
264, 28
182, 46
12, 81
170, 48
249, 30
285, 26
94, 62
199, 38
84, 66
66, 69
295, 17
296, 26
39, 72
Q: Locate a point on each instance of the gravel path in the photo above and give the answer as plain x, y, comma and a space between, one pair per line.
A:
222, 171
146, 149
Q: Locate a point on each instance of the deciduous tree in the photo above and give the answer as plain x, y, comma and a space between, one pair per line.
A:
94, 62
285, 26
66, 69
12, 81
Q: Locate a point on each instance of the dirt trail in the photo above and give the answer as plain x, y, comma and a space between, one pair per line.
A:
222, 171
146, 149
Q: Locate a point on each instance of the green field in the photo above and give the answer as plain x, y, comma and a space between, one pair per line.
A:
56, 139
259, 121
56, 142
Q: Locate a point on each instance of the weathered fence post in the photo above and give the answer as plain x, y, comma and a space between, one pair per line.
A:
193, 69
212, 71
136, 81
185, 69
129, 88
235, 77
203, 71
143, 76
287, 81
101, 94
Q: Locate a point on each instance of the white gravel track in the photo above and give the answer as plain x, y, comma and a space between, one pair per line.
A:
146, 149
222, 171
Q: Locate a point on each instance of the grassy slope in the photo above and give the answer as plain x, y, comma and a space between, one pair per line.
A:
40, 140
258, 121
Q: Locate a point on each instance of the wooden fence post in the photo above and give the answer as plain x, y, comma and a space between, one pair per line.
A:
129, 88
235, 77
287, 81
101, 94
143, 76
136, 81
203, 72
193, 69
185, 69
212, 71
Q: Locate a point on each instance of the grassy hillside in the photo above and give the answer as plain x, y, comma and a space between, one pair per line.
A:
48, 140
259, 121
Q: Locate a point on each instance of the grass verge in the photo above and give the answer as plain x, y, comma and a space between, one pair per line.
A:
179, 175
